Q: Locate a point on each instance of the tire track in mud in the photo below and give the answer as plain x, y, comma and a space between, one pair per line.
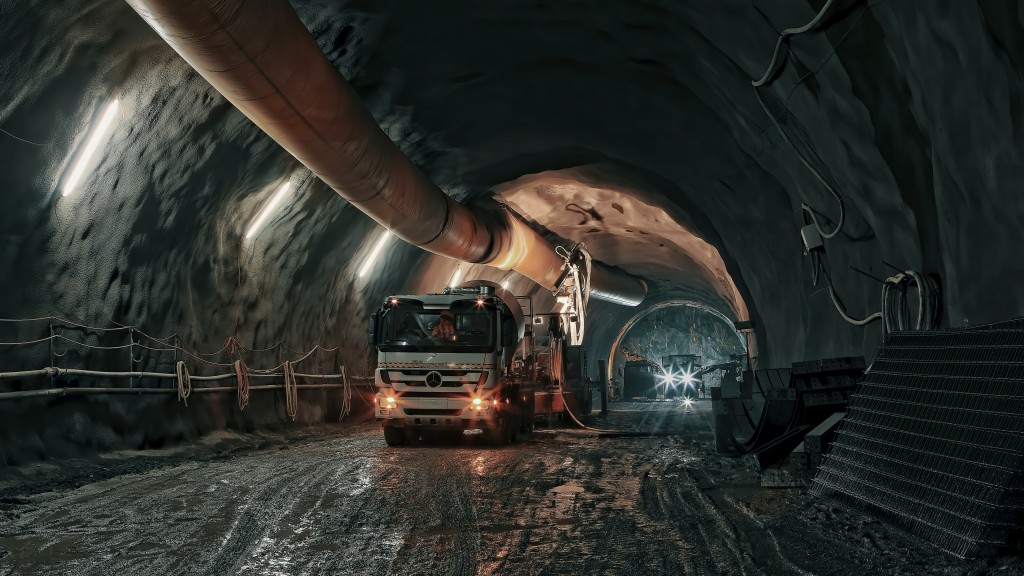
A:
186, 519
93, 521
560, 502
252, 543
431, 495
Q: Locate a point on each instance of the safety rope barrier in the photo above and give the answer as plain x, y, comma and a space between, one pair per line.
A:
182, 378
184, 381
346, 395
291, 397
60, 320
242, 375
231, 345
60, 372
29, 342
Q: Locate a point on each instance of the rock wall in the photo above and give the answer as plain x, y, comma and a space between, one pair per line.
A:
913, 112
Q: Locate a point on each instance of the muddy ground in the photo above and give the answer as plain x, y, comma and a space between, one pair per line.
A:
336, 500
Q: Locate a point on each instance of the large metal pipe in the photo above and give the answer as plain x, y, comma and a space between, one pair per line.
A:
614, 285
260, 56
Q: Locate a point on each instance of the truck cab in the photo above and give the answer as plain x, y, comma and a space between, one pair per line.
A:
445, 365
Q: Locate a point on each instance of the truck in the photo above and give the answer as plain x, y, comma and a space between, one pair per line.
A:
472, 358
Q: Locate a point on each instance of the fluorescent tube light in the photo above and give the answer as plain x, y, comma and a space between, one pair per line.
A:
268, 209
92, 143
374, 253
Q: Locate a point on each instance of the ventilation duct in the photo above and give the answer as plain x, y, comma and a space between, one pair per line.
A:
260, 56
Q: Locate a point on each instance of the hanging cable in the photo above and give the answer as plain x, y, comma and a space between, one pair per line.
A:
242, 377
832, 54
782, 38
291, 395
815, 256
765, 78
346, 395
841, 307
804, 206
895, 310
184, 381
894, 302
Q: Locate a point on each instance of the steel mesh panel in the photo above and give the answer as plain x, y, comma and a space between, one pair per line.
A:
933, 441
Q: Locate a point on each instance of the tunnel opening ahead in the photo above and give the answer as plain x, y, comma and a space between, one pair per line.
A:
678, 351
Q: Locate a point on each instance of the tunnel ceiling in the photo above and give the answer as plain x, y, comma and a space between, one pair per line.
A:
619, 228
565, 110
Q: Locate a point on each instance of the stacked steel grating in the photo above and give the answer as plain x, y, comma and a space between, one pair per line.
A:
934, 439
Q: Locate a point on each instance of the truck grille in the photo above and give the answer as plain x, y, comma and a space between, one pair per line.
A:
433, 411
434, 394
425, 372
444, 384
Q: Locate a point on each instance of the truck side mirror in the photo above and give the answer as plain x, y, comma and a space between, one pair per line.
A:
371, 336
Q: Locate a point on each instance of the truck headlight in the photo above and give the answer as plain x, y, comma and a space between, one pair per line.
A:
479, 404
388, 402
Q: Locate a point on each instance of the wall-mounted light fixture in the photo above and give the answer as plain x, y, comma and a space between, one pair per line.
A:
374, 253
98, 136
268, 209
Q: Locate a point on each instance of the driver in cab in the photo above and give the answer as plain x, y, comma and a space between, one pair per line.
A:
445, 328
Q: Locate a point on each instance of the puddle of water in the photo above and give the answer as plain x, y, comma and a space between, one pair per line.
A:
563, 510
569, 488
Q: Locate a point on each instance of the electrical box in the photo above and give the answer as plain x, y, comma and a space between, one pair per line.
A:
811, 237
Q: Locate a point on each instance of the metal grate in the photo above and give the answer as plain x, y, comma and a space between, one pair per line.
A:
933, 441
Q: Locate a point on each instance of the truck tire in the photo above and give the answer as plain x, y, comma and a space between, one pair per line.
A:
512, 429
493, 437
527, 424
394, 436
497, 435
527, 414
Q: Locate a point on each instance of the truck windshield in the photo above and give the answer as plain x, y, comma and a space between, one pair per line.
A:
463, 327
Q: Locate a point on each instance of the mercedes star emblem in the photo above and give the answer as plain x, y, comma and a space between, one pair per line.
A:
433, 379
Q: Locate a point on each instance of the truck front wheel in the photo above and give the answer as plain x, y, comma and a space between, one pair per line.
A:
497, 435
394, 436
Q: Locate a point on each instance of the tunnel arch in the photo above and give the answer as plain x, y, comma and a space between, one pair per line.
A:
606, 349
